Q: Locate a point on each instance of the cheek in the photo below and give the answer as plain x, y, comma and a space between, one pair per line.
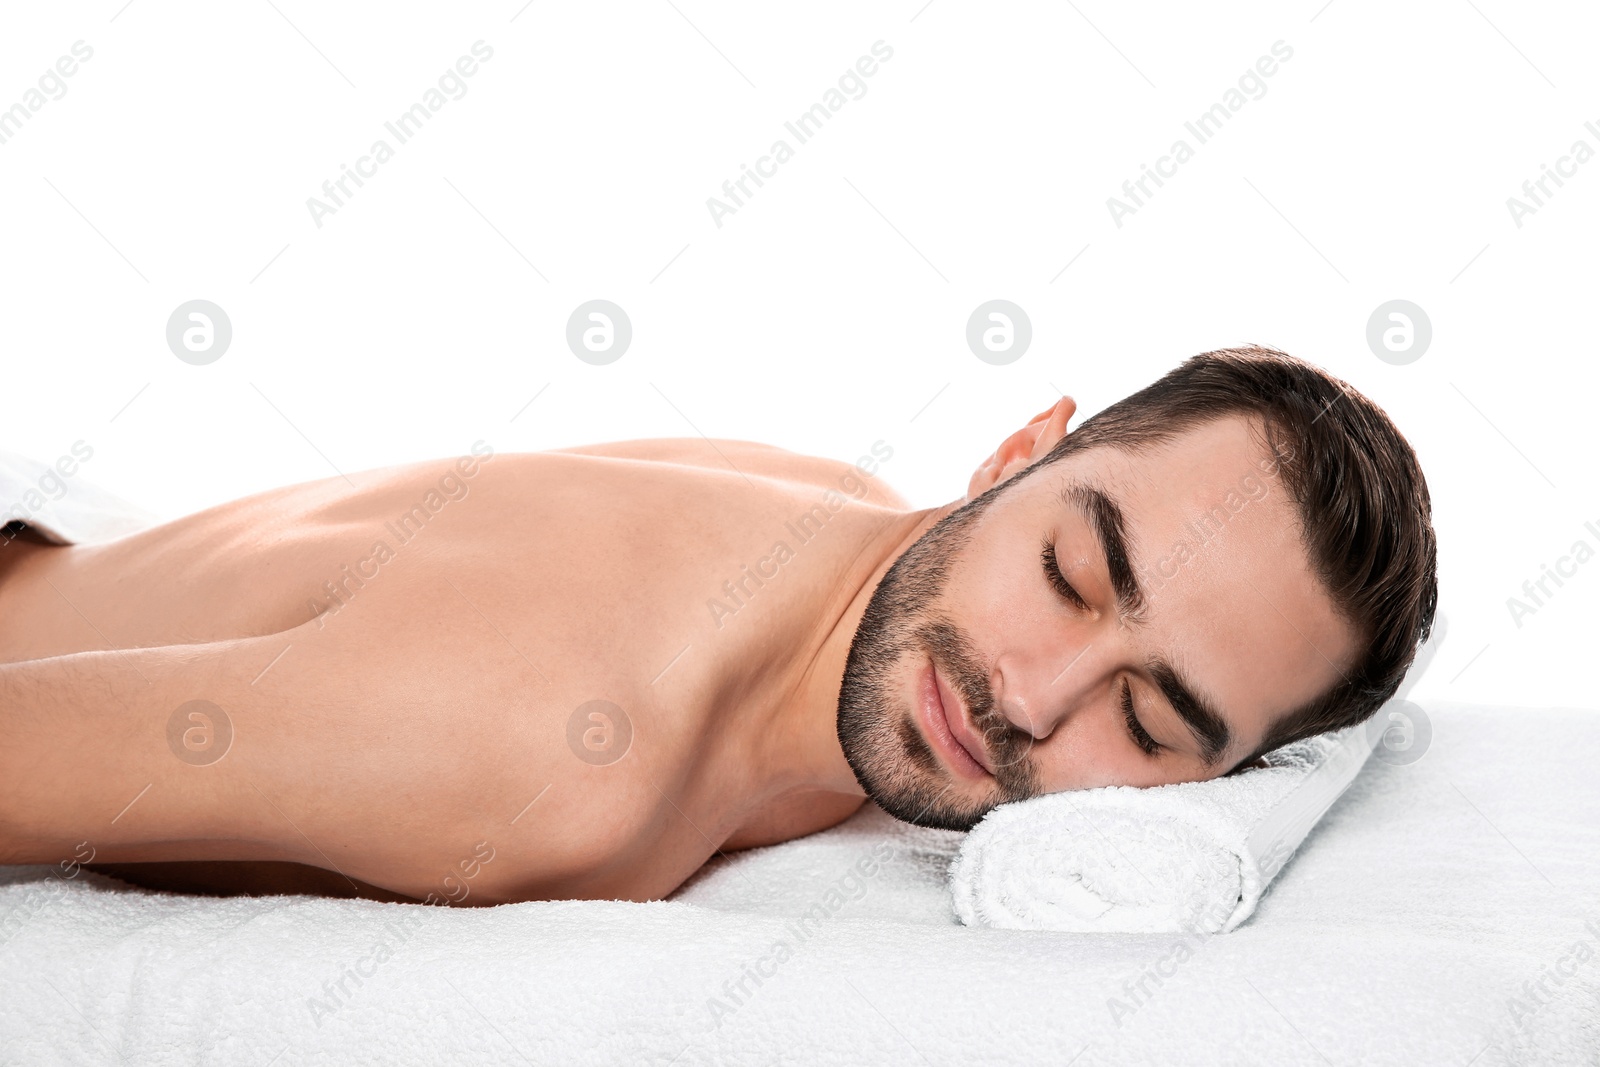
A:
999, 596
1092, 750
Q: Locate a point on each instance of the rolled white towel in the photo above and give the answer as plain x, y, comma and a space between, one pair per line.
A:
1190, 857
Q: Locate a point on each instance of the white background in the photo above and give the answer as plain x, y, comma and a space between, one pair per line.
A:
829, 311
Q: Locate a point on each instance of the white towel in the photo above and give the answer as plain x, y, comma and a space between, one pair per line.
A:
63, 506
1193, 857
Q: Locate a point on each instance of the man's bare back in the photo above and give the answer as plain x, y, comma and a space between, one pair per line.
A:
422, 721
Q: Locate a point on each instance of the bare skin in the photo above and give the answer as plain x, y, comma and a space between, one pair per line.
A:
387, 746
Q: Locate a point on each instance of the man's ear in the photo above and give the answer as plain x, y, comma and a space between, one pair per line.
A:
1023, 447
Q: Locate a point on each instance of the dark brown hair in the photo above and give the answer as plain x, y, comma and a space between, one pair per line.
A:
1365, 515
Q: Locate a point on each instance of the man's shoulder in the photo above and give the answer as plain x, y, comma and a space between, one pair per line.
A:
688, 451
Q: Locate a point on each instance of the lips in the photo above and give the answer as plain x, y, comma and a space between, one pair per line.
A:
945, 724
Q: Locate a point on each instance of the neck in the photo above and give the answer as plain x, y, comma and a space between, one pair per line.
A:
797, 751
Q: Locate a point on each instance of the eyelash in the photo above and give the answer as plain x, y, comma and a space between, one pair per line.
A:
1058, 582
1145, 742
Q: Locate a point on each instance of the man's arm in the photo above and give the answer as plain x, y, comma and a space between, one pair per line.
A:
90, 747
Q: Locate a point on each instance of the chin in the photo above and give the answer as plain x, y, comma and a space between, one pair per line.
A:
898, 772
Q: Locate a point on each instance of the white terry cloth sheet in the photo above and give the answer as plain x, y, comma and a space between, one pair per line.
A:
1437, 913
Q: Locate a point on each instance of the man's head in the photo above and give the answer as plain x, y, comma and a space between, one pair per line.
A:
1233, 558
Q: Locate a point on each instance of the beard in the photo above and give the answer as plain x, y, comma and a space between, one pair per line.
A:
877, 726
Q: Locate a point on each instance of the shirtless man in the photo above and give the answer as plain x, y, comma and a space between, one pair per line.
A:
582, 673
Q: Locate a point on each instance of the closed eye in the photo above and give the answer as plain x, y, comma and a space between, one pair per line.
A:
1052, 571
1136, 730
1058, 581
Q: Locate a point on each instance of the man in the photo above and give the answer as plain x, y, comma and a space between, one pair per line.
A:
582, 673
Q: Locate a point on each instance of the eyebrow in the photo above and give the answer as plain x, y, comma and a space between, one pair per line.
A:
1208, 728
1105, 517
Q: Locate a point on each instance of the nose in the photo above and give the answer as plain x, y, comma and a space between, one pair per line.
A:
1035, 694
